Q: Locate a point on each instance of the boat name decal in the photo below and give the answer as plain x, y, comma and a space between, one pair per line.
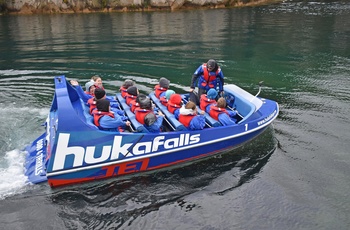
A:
266, 119
39, 157
115, 151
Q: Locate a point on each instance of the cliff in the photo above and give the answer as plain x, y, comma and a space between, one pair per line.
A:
86, 6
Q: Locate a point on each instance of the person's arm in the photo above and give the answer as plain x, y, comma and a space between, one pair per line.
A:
221, 82
197, 122
110, 123
196, 74
225, 119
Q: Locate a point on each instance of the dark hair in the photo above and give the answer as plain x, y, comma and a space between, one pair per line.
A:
103, 105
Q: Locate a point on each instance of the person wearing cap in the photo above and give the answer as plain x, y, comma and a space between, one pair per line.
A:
208, 99
131, 94
164, 99
209, 76
145, 115
174, 104
161, 87
219, 112
135, 104
89, 90
123, 88
190, 118
107, 120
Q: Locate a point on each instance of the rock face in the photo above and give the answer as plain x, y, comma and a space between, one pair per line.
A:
85, 6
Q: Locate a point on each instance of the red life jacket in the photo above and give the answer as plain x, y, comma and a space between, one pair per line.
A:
163, 100
204, 102
92, 104
158, 90
172, 107
186, 119
98, 114
134, 106
209, 77
140, 115
216, 111
123, 91
129, 98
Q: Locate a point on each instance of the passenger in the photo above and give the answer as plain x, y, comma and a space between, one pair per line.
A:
135, 104
164, 99
220, 113
174, 104
89, 90
131, 94
105, 119
188, 116
146, 116
162, 87
123, 88
209, 76
99, 94
97, 81
208, 99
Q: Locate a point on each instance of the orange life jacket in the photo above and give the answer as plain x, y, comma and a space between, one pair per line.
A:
140, 115
123, 91
158, 90
204, 102
129, 98
209, 78
186, 119
98, 114
216, 111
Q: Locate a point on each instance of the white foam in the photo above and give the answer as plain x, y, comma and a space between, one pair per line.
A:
12, 178
11, 72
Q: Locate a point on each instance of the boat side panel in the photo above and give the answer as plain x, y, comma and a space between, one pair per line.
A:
148, 163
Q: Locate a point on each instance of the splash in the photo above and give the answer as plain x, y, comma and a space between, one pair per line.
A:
12, 178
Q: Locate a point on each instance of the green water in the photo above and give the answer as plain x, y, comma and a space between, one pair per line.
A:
300, 49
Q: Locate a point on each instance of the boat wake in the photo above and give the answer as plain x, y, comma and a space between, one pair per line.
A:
12, 178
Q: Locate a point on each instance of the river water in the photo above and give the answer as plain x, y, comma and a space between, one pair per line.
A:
293, 176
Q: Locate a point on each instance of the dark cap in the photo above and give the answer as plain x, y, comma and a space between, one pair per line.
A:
103, 105
127, 83
164, 83
150, 118
211, 63
99, 93
145, 103
132, 90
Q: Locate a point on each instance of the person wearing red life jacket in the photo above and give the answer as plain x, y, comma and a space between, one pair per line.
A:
107, 120
162, 87
208, 99
146, 116
209, 76
174, 104
101, 94
131, 94
189, 118
135, 104
164, 99
219, 112
123, 88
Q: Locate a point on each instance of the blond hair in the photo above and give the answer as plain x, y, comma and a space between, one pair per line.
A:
221, 103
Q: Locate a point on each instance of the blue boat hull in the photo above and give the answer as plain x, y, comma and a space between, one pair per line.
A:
73, 151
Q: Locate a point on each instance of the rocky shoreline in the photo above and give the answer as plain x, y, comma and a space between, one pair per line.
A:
89, 6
